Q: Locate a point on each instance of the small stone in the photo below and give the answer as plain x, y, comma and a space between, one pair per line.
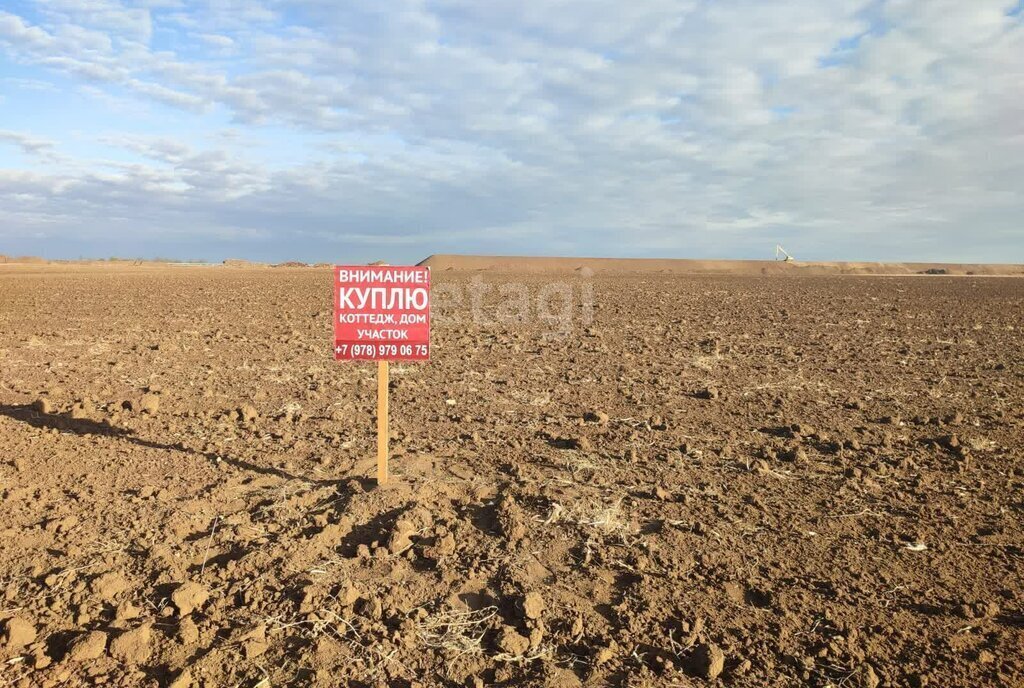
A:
188, 597
247, 413
599, 417
533, 605
91, 645
150, 403
18, 633
43, 405
662, 494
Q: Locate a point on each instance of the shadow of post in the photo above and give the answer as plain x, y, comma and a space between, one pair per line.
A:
64, 423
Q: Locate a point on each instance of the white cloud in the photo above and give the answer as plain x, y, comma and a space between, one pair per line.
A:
850, 127
30, 145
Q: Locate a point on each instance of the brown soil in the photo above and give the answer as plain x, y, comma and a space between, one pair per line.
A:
712, 267
721, 480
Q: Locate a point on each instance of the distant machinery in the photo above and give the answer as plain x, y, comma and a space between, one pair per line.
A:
779, 251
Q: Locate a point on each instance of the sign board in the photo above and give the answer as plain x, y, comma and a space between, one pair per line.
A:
381, 313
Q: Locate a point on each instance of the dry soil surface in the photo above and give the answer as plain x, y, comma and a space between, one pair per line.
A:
697, 481
686, 266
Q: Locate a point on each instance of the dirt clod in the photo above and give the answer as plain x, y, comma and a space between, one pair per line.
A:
709, 392
866, 677
401, 536
182, 680
18, 633
88, 646
188, 597
512, 520
445, 546
150, 404
533, 605
708, 660
247, 413
109, 585
133, 647
188, 632
604, 654
512, 642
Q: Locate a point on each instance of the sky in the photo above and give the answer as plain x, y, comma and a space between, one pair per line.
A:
330, 131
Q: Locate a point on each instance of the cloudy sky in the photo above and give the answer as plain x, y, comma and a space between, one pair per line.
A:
324, 130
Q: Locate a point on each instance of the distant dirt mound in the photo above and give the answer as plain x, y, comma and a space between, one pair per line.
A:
239, 263
681, 266
291, 264
21, 259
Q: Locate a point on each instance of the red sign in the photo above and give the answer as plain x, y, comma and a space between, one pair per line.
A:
381, 313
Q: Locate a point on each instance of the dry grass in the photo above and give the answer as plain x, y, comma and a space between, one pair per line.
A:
457, 632
592, 514
541, 652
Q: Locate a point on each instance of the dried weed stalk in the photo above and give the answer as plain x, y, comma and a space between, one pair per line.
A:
457, 632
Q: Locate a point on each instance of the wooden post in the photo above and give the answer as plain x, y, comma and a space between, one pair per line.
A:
383, 375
